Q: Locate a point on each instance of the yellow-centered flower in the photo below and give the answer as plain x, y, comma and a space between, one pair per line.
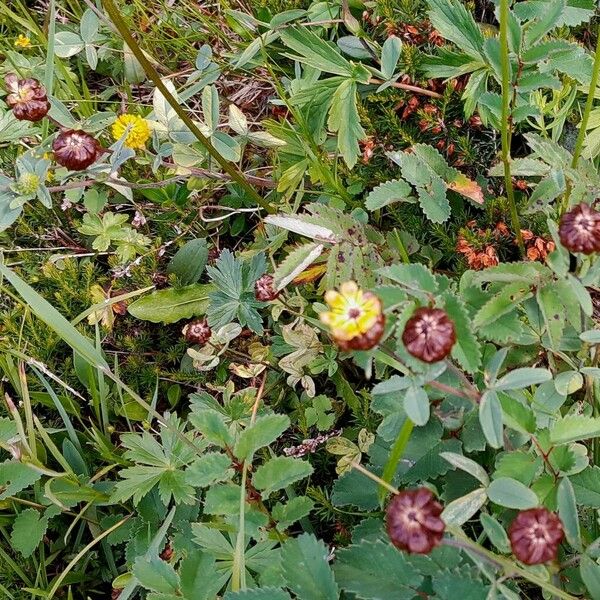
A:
352, 312
22, 41
138, 131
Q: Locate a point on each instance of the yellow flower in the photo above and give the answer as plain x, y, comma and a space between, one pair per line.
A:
22, 42
353, 312
138, 130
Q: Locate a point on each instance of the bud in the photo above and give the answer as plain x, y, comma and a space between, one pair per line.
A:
76, 150
413, 521
429, 334
27, 98
579, 229
197, 332
535, 535
27, 184
264, 290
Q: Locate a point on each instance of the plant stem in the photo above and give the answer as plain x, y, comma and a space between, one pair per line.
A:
395, 455
506, 123
586, 116
235, 174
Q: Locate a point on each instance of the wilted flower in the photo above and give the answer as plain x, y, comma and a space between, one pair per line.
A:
356, 320
27, 98
535, 535
138, 131
429, 334
75, 149
413, 521
197, 332
22, 41
264, 290
579, 229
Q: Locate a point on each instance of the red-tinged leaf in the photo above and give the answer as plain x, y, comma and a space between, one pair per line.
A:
468, 188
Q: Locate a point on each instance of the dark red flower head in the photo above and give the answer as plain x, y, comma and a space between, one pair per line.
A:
264, 290
27, 98
579, 229
429, 334
413, 521
197, 332
535, 535
76, 150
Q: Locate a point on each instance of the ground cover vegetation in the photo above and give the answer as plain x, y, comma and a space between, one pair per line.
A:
299, 299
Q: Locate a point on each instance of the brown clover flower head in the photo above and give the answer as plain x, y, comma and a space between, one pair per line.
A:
579, 229
76, 150
429, 334
535, 535
197, 332
264, 290
27, 98
413, 521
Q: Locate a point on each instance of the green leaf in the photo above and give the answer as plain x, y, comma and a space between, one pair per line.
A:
305, 569
212, 426
434, 202
395, 190
156, 575
189, 261
315, 51
455, 23
467, 465
413, 277
519, 379
502, 303
199, 576
490, 418
459, 511
416, 405
264, 431
586, 486
495, 532
15, 477
299, 259
287, 514
451, 585
553, 311
511, 493
279, 472
567, 510
28, 530
173, 304
359, 570
467, 350
264, 593
390, 53
209, 468
574, 428
590, 573
345, 121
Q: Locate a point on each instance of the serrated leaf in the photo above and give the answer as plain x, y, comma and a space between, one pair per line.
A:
306, 570
264, 431
511, 493
574, 428
279, 472
467, 350
15, 477
287, 514
433, 201
156, 575
359, 570
505, 301
28, 530
209, 468
395, 190
412, 276
173, 304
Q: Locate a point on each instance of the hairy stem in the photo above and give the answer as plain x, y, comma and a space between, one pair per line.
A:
506, 123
